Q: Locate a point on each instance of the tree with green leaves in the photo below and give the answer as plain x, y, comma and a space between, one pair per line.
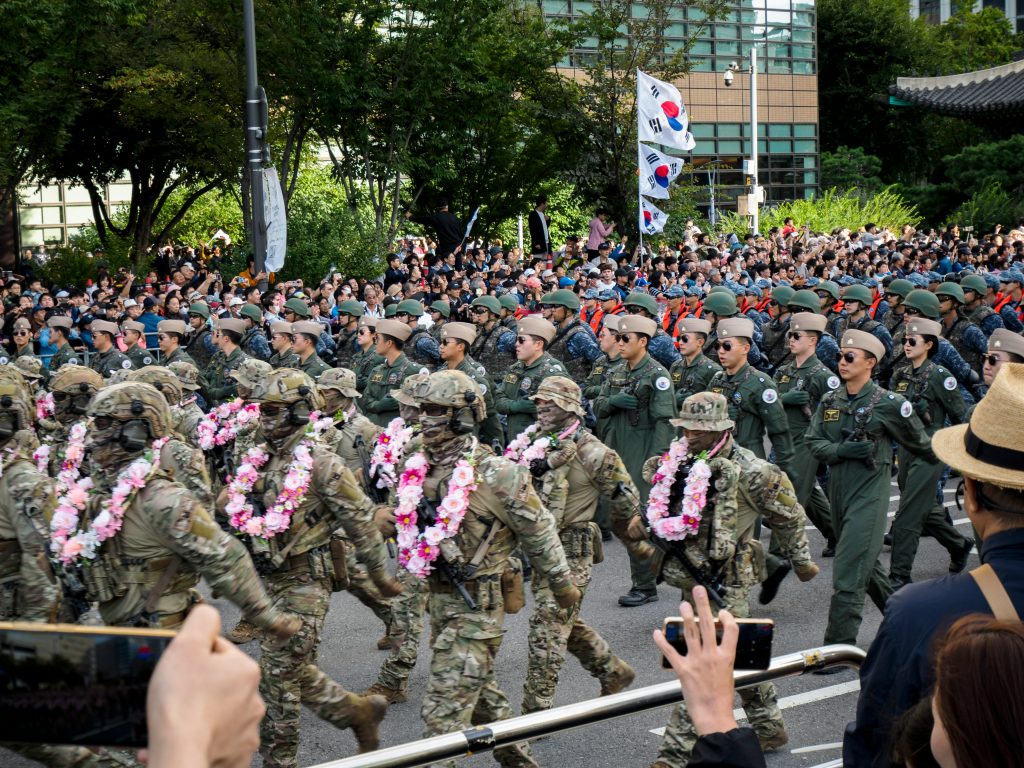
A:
851, 168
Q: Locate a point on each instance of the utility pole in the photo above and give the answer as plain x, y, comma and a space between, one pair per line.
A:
755, 192
256, 152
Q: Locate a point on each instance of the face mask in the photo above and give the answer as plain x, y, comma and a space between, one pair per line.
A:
8, 425
705, 441
551, 418
277, 426
436, 430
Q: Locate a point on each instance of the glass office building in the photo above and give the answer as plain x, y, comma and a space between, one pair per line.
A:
937, 11
785, 34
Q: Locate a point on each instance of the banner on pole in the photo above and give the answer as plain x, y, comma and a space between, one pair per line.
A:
656, 171
652, 219
277, 220
661, 116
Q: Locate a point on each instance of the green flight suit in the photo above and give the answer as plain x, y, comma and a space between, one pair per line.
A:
140, 357
521, 381
362, 364
638, 430
221, 387
377, 403
932, 391
859, 493
313, 366
691, 378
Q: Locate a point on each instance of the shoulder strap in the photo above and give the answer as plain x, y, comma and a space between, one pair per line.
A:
995, 593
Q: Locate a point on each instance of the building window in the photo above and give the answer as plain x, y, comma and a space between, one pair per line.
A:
930, 11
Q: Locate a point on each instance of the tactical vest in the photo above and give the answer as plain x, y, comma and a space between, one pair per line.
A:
485, 351
729, 389
559, 349
412, 352
955, 336
981, 314
346, 348
775, 347
843, 325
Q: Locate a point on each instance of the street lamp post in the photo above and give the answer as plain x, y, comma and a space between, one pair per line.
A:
751, 169
255, 140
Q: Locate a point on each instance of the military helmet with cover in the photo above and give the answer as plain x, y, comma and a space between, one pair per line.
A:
406, 392
452, 389
133, 412
250, 371
16, 405
163, 379
563, 392
187, 374
341, 379
286, 386
73, 386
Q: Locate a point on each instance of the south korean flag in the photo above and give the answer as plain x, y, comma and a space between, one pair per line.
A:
652, 220
657, 171
661, 116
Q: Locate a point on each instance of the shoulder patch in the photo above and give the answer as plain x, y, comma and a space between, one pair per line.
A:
949, 383
147, 360
906, 409
761, 379
662, 383
833, 382
126, 364
769, 396
71, 360
424, 371
3, 361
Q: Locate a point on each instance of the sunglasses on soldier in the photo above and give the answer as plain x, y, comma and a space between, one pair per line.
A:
726, 345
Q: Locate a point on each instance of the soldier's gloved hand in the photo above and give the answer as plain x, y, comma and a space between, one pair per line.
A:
623, 401
565, 453
538, 467
522, 406
807, 571
280, 626
973, 379
386, 584
855, 449
795, 397
368, 406
384, 519
636, 528
567, 595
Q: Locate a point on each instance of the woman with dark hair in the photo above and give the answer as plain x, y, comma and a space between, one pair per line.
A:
977, 703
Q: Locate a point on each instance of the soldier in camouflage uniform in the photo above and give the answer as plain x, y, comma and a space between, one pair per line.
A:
60, 332
637, 401
509, 306
107, 358
456, 339
254, 340
200, 345
577, 472
966, 337
187, 416
440, 312
495, 344
33, 371
533, 366
298, 570
133, 331
724, 550
366, 358
420, 347
774, 344
503, 508
574, 345
663, 348
305, 334
349, 312
378, 404
692, 372
169, 336
220, 385
856, 302
975, 308
281, 340
73, 386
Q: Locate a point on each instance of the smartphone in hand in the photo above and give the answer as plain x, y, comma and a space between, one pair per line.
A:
753, 650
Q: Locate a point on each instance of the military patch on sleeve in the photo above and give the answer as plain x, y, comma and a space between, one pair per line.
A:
424, 371
147, 360
3, 361
949, 383
833, 382
831, 414
483, 388
902, 386
126, 364
662, 383
906, 409
769, 396
71, 361
511, 378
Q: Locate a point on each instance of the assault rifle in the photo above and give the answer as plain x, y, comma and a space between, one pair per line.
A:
711, 581
375, 492
74, 590
453, 573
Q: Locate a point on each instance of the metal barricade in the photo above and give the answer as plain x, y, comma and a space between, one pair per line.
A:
537, 724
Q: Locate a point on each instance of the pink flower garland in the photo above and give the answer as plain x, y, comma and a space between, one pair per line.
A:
417, 551
278, 518
389, 450
220, 426
695, 492
522, 451
69, 543
44, 406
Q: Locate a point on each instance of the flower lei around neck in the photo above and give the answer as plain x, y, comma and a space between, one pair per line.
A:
67, 542
695, 491
277, 518
417, 550
389, 450
44, 406
523, 451
74, 454
220, 425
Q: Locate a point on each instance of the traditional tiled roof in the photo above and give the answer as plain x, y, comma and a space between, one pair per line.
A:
986, 93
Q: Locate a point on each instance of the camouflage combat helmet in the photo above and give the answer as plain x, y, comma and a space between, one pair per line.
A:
251, 371
452, 389
925, 302
30, 367
704, 412
16, 397
117, 376
721, 304
76, 379
187, 374
163, 379
131, 401
406, 393
286, 386
563, 392
805, 300
341, 379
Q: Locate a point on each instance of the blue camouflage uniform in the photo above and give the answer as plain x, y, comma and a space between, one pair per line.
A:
507, 343
828, 352
662, 348
423, 348
255, 344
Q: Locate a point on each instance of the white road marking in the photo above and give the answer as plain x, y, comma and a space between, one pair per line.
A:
817, 748
893, 514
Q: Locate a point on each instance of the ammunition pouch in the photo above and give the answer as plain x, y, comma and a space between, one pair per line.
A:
512, 592
486, 591
147, 574
578, 541
339, 564
315, 563
10, 558
103, 578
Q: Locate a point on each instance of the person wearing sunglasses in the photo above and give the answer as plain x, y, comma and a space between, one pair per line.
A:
829, 304
774, 344
636, 403
574, 344
456, 339
895, 293
421, 348
200, 346
662, 348
692, 372
169, 337
366, 358
377, 403
495, 345
853, 431
802, 383
532, 366
933, 392
922, 303
1004, 347
966, 337
22, 334
857, 300
60, 334
975, 307
281, 340
108, 357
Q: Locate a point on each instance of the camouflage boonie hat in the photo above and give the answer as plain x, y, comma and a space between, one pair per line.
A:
704, 412
251, 371
30, 367
406, 394
453, 389
563, 392
133, 400
286, 386
341, 379
75, 379
164, 379
187, 374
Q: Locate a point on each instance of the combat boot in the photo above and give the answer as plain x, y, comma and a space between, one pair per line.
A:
384, 644
365, 722
244, 632
393, 695
776, 741
619, 679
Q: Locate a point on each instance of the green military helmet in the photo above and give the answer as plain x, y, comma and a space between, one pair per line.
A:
199, 308
805, 300
187, 374
721, 289
782, 294
30, 367
952, 290
16, 400
563, 392
341, 379
76, 379
252, 312
490, 303
925, 302
443, 307
406, 394
859, 293
285, 386
721, 304
643, 300
411, 307
900, 287
351, 307
974, 283
828, 287
509, 302
251, 371
390, 310
564, 298
704, 412
452, 389
131, 401
298, 306
163, 379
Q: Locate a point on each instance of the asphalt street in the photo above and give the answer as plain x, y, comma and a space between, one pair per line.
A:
816, 708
